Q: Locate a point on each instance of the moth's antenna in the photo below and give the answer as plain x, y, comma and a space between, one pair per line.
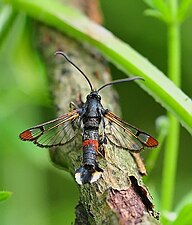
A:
67, 58
120, 81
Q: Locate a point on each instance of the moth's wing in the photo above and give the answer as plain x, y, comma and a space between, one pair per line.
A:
124, 135
56, 132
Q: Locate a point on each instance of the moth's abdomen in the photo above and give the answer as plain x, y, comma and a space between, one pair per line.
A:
90, 171
90, 149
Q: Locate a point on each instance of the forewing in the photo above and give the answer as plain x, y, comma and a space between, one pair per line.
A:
125, 135
53, 133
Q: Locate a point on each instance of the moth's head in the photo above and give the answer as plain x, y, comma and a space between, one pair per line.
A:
94, 95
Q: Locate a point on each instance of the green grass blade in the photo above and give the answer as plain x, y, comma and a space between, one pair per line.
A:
72, 22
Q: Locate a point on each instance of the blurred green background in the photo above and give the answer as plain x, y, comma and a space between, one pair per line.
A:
42, 194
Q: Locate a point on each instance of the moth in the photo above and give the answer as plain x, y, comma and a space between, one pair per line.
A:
98, 126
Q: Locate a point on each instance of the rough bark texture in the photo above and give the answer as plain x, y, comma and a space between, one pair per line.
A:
119, 196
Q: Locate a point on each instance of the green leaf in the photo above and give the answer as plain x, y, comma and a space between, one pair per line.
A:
187, 199
72, 22
184, 10
154, 13
185, 216
159, 10
149, 3
4, 195
167, 218
162, 7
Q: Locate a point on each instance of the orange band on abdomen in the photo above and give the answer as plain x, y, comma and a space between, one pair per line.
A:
94, 143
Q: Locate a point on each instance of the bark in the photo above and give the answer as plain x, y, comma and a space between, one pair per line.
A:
119, 196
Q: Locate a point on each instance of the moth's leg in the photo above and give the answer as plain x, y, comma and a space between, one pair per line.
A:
73, 106
102, 150
102, 139
139, 162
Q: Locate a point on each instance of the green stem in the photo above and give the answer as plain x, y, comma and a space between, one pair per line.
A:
71, 22
172, 144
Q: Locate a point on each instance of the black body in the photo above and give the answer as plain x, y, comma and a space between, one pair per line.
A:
90, 115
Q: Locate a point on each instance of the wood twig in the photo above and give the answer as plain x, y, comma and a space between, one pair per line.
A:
119, 196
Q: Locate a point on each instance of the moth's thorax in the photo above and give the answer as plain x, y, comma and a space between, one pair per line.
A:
93, 105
